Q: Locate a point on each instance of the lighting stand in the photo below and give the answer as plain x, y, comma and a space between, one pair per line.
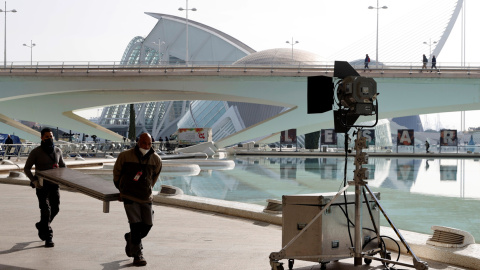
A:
360, 174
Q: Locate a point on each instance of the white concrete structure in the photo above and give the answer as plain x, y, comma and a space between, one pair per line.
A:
50, 96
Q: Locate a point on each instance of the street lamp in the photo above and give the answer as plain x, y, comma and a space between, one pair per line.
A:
70, 135
5, 48
160, 55
186, 9
31, 50
430, 43
296, 42
377, 8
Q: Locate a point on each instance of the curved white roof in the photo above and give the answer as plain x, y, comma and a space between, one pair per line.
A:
280, 56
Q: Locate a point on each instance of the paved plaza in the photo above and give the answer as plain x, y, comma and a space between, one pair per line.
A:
87, 238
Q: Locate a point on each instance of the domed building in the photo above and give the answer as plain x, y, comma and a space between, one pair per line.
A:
281, 56
165, 45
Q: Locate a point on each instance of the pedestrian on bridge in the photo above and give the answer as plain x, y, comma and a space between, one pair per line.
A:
45, 157
367, 60
135, 173
434, 63
425, 62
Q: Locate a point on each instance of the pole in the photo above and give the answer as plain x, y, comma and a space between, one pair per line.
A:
31, 52
358, 226
186, 57
376, 60
292, 48
159, 53
5, 39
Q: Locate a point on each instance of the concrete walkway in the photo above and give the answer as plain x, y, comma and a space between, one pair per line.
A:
86, 238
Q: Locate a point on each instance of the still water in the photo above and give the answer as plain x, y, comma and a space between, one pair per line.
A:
416, 193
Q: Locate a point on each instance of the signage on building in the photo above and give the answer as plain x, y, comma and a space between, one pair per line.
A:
288, 136
369, 134
328, 137
405, 137
448, 137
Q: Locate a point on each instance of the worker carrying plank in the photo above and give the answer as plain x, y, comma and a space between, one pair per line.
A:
45, 157
135, 173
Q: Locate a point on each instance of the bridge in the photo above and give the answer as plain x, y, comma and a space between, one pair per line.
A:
49, 93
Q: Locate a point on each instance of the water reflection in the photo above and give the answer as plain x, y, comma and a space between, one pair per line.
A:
261, 178
417, 193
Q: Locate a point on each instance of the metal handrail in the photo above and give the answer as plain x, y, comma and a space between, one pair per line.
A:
97, 149
217, 64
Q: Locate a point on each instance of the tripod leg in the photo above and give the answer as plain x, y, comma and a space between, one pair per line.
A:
416, 261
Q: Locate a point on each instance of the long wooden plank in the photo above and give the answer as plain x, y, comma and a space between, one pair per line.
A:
87, 184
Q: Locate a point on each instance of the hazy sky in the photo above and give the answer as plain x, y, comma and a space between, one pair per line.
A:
99, 30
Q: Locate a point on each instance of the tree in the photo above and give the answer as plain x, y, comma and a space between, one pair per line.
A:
131, 129
311, 140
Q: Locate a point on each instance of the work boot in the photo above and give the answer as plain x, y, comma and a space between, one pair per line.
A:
40, 234
139, 261
127, 247
49, 243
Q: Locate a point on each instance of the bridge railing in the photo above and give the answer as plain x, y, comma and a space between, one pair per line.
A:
83, 149
113, 66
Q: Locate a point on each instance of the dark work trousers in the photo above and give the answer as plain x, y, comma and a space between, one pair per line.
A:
140, 218
49, 203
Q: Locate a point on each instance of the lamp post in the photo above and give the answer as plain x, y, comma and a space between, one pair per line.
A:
31, 50
292, 43
5, 39
377, 8
70, 135
186, 26
430, 43
160, 55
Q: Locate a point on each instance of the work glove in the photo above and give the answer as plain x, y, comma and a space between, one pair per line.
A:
35, 184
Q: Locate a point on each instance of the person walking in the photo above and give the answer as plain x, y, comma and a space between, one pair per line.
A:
167, 144
427, 146
367, 60
45, 157
434, 64
425, 61
7, 148
134, 174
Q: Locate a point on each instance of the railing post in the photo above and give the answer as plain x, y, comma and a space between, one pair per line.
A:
63, 63
88, 67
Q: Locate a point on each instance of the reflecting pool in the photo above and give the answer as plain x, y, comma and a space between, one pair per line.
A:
416, 193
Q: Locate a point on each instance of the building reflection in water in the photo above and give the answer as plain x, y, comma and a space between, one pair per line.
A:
417, 193
260, 178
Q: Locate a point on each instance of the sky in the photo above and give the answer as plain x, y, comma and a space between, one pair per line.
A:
100, 30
